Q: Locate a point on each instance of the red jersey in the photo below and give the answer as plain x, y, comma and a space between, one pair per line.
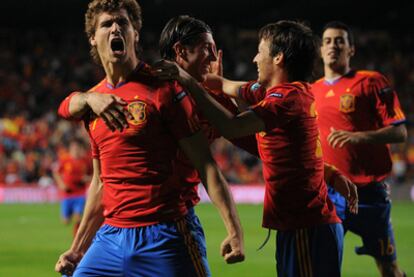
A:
185, 169
357, 101
139, 185
73, 173
296, 193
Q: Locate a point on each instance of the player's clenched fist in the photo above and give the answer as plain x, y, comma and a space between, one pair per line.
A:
232, 249
67, 262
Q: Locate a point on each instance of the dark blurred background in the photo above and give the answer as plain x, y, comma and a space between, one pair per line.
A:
44, 56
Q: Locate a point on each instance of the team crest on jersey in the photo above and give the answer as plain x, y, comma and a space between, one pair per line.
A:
347, 103
137, 109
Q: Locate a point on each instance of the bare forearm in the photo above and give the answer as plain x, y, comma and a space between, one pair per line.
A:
78, 105
221, 197
92, 219
388, 134
231, 88
218, 115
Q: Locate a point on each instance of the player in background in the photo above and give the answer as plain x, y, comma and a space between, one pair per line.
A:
359, 115
309, 237
72, 174
134, 190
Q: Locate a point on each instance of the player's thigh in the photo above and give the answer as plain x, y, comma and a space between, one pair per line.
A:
105, 256
172, 249
373, 225
315, 251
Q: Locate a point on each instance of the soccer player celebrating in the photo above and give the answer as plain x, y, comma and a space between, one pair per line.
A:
359, 114
134, 192
189, 42
72, 175
309, 237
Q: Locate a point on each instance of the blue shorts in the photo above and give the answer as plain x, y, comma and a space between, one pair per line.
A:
164, 249
373, 221
313, 251
72, 205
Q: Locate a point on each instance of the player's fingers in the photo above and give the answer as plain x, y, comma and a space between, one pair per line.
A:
225, 248
333, 141
342, 142
113, 118
107, 122
126, 114
332, 137
234, 257
63, 265
119, 116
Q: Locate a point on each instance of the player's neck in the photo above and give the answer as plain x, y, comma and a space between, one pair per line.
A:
332, 72
118, 72
278, 78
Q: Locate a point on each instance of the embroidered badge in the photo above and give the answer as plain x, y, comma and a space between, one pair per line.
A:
347, 103
137, 109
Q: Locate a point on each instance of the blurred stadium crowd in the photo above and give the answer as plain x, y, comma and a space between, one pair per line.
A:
40, 68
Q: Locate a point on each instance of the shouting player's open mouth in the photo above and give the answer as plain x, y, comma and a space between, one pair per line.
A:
118, 46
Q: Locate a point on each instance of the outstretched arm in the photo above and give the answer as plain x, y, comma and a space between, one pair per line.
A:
91, 221
229, 125
197, 150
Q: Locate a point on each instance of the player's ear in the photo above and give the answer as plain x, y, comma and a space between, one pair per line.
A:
92, 41
136, 36
352, 51
180, 51
279, 58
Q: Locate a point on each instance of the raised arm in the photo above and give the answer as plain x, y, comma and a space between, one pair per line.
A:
91, 221
197, 150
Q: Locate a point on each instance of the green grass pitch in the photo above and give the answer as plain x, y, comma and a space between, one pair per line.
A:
31, 239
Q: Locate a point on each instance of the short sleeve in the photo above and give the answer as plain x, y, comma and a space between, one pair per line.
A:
63, 110
252, 93
386, 100
277, 108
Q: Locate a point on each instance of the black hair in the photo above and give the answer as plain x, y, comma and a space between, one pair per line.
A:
341, 26
297, 43
184, 29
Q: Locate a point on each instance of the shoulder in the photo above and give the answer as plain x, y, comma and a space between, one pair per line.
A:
98, 86
319, 82
288, 90
370, 76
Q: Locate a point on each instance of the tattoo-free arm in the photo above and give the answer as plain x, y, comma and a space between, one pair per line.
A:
91, 221
197, 150
387, 134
